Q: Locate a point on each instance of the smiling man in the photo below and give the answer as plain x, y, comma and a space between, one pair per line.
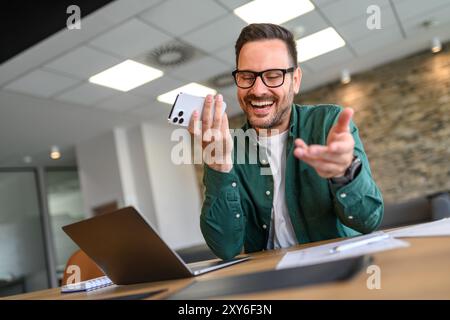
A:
320, 186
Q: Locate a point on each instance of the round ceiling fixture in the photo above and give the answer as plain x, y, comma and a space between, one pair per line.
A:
171, 55
298, 31
222, 80
427, 24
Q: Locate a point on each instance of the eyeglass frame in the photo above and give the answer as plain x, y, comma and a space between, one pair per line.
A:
259, 74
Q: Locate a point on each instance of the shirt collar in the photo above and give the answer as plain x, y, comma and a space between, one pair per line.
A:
293, 121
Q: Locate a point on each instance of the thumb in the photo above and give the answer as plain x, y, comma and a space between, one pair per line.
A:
343, 123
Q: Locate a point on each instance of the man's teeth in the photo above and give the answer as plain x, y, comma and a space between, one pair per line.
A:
261, 103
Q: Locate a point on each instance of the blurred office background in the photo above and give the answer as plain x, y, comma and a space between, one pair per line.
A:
71, 149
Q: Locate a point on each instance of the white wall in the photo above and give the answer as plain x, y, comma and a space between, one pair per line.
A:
176, 194
98, 170
134, 172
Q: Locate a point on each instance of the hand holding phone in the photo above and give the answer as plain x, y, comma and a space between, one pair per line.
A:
185, 105
210, 127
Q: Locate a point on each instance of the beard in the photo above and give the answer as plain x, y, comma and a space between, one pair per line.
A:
282, 110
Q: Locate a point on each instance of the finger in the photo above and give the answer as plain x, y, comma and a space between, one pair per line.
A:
300, 143
325, 169
225, 126
227, 136
193, 123
340, 147
316, 150
217, 120
320, 152
338, 159
207, 109
206, 118
300, 152
343, 123
225, 129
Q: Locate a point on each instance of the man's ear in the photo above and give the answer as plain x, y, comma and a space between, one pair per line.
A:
297, 79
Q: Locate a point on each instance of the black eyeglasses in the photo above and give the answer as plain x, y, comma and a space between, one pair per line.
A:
272, 78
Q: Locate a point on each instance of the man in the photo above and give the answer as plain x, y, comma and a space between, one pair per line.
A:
321, 185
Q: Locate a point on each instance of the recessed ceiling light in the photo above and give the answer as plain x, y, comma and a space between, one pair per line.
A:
345, 76
55, 154
436, 45
191, 88
271, 11
318, 43
126, 76
27, 159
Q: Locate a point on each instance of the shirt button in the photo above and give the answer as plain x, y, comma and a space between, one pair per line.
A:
238, 215
343, 195
350, 217
234, 184
268, 192
264, 226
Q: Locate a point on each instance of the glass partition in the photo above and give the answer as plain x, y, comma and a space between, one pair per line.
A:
22, 248
65, 206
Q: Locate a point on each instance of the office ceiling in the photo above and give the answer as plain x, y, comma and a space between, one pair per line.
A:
45, 98
29, 23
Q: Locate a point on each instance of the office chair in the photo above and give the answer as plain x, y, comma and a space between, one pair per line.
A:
418, 210
80, 262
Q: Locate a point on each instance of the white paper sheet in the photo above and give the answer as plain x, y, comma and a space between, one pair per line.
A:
322, 253
439, 228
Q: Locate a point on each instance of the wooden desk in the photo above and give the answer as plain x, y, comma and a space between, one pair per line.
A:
421, 271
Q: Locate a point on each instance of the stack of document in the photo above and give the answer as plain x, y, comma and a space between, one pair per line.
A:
439, 228
358, 246
367, 244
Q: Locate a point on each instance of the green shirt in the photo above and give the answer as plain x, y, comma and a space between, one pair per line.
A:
236, 212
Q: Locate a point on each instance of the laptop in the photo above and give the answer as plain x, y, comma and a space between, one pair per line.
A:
128, 250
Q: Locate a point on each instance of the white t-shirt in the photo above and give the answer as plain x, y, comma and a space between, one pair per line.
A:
281, 232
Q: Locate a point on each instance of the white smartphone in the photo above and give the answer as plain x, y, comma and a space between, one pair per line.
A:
185, 105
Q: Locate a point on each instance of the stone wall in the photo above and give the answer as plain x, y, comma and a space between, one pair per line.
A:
402, 110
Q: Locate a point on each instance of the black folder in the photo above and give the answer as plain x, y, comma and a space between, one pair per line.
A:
273, 280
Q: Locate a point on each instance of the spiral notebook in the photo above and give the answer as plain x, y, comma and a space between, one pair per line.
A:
87, 285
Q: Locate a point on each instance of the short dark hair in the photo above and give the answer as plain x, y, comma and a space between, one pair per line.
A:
266, 31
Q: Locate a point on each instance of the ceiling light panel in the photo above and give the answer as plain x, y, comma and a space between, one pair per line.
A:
126, 76
192, 88
318, 43
271, 11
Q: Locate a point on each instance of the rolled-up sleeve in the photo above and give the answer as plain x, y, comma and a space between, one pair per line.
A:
222, 220
359, 204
